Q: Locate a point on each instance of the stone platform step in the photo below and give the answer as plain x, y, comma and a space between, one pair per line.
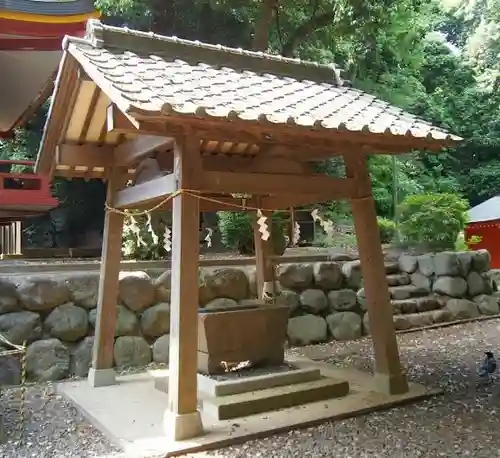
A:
407, 292
270, 399
418, 320
416, 304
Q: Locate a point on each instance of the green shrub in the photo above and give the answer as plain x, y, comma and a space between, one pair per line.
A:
432, 220
237, 232
387, 229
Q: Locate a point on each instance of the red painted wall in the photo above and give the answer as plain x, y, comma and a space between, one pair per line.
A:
489, 231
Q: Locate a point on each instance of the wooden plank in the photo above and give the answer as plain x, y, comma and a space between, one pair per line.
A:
102, 357
149, 191
88, 155
117, 121
133, 151
275, 183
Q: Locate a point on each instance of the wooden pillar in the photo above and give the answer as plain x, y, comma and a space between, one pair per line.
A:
389, 377
264, 264
101, 372
182, 419
7, 239
292, 227
13, 238
2, 237
19, 238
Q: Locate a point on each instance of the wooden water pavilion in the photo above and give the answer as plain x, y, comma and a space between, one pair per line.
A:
219, 122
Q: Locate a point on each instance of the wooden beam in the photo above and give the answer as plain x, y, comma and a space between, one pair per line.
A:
85, 155
285, 201
218, 203
133, 151
274, 183
117, 121
143, 193
331, 141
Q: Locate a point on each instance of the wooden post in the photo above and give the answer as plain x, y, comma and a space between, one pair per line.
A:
13, 238
182, 419
264, 265
101, 372
389, 377
19, 238
7, 239
2, 235
292, 227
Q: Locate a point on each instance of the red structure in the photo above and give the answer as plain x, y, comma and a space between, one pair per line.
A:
31, 34
23, 194
484, 223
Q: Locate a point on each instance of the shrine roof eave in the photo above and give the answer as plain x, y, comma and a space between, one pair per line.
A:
163, 81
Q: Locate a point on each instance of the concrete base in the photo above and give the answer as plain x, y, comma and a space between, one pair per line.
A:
273, 399
181, 427
214, 388
101, 377
131, 413
390, 384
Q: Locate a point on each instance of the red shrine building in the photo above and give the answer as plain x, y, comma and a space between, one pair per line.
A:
484, 223
31, 34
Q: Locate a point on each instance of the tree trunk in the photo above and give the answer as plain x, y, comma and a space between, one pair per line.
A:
305, 29
266, 15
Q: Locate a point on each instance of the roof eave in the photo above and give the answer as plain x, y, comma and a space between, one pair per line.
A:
63, 88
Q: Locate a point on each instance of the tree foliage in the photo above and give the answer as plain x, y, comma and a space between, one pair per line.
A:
437, 59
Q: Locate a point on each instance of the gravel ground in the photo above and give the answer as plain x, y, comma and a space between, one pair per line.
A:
461, 423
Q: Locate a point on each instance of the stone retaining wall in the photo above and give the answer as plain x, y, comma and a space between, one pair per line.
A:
56, 314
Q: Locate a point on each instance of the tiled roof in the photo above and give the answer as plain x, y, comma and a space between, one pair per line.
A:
54, 7
485, 211
151, 74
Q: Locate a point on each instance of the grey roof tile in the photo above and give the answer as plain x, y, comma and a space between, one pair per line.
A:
179, 77
54, 7
488, 210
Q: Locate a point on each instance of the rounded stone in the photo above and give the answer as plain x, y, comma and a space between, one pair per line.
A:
289, 299
327, 275
43, 294
21, 326
345, 325
307, 329
67, 322
9, 300
84, 289
295, 276
127, 323
155, 320
81, 358
342, 300
131, 351
47, 360
313, 300
161, 349
136, 290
